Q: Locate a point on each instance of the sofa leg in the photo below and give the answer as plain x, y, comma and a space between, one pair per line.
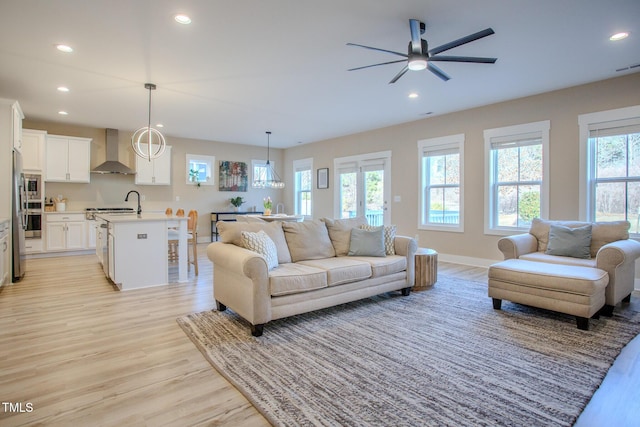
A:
627, 298
583, 323
497, 303
220, 306
607, 310
256, 330
405, 292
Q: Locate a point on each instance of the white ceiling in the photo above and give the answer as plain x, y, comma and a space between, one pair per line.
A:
243, 67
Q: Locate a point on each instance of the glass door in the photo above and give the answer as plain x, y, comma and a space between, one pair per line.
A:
362, 189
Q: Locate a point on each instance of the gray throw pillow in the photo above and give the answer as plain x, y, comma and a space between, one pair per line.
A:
572, 242
367, 242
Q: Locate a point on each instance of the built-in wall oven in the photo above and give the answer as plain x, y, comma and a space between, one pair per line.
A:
33, 185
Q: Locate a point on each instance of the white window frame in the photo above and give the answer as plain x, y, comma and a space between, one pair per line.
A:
298, 166
587, 158
262, 164
210, 161
454, 144
490, 209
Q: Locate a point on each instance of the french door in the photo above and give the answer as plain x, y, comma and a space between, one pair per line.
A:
363, 186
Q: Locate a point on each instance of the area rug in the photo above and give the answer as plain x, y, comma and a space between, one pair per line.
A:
442, 357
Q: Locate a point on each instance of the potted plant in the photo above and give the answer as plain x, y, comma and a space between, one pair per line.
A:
193, 176
236, 202
267, 205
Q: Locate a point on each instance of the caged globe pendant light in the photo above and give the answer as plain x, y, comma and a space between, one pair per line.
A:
271, 178
153, 136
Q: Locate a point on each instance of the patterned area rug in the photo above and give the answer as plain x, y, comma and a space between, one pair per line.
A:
439, 357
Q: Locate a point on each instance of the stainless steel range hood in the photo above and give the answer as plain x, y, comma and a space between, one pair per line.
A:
112, 164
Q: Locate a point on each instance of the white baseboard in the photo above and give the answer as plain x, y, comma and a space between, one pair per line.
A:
486, 263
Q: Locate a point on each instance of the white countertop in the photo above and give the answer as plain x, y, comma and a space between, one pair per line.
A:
118, 217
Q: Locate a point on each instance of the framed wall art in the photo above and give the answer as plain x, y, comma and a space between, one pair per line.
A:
323, 178
233, 176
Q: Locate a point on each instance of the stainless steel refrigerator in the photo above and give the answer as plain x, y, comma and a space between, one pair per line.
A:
19, 214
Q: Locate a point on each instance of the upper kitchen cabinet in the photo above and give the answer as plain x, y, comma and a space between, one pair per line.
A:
33, 149
17, 126
68, 159
154, 172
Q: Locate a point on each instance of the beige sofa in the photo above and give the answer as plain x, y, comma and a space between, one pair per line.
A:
610, 250
313, 269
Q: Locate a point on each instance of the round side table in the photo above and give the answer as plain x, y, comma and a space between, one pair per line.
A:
426, 261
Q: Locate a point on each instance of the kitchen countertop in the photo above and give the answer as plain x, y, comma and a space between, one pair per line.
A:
118, 217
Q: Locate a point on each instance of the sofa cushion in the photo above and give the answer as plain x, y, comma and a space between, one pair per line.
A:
385, 266
293, 278
341, 270
389, 237
308, 240
230, 232
261, 243
571, 242
340, 232
367, 242
602, 233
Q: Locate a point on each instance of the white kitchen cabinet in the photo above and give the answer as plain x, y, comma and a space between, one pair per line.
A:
68, 159
33, 149
65, 231
91, 234
17, 126
33, 246
154, 172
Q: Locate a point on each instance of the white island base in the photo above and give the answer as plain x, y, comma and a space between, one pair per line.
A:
137, 247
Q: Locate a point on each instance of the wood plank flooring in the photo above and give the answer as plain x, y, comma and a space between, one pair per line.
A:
82, 353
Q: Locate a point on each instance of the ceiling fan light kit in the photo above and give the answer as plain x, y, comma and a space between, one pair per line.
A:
420, 57
153, 136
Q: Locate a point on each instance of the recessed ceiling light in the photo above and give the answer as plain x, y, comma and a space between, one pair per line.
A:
63, 113
63, 89
413, 95
619, 36
64, 48
159, 125
182, 19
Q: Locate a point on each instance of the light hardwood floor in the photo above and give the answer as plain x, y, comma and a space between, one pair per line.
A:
82, 353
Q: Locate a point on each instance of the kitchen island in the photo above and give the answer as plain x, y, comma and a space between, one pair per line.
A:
135, 249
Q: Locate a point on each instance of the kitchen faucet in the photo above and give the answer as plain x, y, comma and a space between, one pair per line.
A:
126, 199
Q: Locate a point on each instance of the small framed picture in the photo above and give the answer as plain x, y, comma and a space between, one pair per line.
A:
323, 178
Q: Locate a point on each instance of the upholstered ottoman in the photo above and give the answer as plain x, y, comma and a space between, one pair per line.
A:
578, 291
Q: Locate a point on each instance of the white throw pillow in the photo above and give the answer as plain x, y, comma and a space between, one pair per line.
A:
261, 243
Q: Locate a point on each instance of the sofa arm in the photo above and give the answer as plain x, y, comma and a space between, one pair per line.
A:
619, 260
517, 245
241, 281
407, 246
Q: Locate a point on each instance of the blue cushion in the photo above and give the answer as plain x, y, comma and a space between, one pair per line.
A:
367, 242
572, 242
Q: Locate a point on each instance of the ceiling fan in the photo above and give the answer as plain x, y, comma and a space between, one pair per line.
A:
420, 56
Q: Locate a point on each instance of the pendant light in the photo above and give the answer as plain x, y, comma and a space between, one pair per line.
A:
153, 136
271, 178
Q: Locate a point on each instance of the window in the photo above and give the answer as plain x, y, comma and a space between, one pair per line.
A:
516, 158
261, 172
610, 146
303, 184
441, 176
199, 169
363, 186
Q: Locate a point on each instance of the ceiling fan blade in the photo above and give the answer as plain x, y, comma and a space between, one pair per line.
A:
437, 71
476, 59
416, 44
400, 74
461, 41
378, 49
375, 65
